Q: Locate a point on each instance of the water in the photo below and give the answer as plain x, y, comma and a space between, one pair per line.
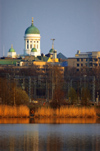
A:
50, 137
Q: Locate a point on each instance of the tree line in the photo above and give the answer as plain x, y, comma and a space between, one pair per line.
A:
19, 85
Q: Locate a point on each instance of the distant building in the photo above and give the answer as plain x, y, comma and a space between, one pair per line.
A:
85, 59
11, 52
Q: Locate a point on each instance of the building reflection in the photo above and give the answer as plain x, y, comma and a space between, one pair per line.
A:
24, 142
54, 143
49, 143
12, 143
42, 137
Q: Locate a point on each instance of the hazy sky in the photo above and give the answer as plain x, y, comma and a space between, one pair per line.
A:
75, 24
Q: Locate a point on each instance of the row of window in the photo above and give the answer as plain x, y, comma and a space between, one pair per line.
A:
32, 41
88, 59
34, 46
79, 59
79, 65
90, 65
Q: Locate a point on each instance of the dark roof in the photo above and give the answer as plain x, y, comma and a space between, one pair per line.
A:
61, 56
43, 58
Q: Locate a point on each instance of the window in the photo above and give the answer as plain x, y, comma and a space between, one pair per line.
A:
77, 59
90, 64
90, 59
37, 41
34, 41
28, 46
81, 59
30, 41
77, 69
27, 41
77, 65
81, 65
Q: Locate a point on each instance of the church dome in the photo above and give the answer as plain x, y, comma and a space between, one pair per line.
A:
34, 50
51, 51
32, 29
11, 49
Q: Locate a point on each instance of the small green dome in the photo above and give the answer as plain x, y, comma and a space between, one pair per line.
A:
34, 50
11, 49
32, 30
51, 51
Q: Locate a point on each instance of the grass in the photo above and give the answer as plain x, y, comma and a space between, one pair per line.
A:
66, 112
14, 111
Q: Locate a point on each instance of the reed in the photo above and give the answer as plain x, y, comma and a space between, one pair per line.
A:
66, 112
14, 111
44, 112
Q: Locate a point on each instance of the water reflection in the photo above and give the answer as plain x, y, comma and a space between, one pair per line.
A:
48, 120
63, 120
14, 120
49, 137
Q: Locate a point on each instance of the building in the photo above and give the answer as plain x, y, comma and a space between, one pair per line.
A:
11, 52
32, 41
85, 59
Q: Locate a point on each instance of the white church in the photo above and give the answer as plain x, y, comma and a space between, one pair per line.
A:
31, 43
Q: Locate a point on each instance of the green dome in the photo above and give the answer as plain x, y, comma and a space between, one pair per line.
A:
32, 30
34, 50
51, 51
11, 50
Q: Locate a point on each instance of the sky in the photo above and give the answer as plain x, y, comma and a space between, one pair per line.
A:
74, 24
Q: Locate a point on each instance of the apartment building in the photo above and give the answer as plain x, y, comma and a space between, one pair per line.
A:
85, 59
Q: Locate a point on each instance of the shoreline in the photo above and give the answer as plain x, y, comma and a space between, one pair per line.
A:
32, 120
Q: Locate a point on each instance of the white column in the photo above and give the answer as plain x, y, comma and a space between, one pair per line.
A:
32, 43
29, 44
25, 44
39, 44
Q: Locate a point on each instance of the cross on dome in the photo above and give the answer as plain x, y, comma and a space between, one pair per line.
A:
11, 45
52, 43
32, 20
